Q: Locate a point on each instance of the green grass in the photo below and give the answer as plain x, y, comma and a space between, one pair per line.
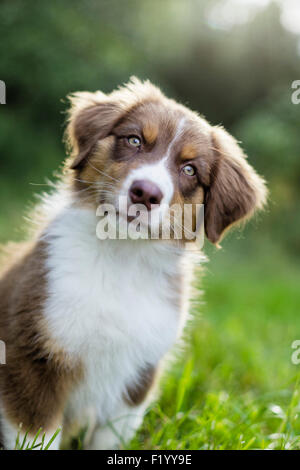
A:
235, 386
37, 443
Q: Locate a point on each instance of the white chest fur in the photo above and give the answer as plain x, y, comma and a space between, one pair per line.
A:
110, 303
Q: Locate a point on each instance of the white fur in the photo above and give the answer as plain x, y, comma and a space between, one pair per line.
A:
159, 174
110, 305
178, 134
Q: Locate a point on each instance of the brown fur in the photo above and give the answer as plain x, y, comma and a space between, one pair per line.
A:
136, 393
150, 132
235, 191
188, 152
37, 375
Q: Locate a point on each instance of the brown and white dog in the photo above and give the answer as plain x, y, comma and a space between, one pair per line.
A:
87, 322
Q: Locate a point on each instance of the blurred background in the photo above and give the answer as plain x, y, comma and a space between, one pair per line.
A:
233, 61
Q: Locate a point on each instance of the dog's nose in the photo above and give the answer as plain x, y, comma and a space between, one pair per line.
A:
145, 192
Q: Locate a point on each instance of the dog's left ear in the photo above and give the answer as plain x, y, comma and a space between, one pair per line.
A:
236, 190
92, 116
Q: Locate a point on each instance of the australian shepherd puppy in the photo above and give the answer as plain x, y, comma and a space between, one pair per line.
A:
87, 320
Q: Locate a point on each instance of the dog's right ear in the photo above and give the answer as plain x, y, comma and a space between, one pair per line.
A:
236, 190
92, 117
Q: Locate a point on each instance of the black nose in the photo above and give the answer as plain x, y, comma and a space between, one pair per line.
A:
145, 192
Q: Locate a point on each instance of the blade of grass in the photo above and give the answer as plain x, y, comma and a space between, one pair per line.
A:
52, 439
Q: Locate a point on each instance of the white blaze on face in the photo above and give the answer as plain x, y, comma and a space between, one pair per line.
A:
158, 173
178, 134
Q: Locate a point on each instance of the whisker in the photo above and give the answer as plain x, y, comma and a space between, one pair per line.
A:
95, 183
95, 193
102, 172
85, 181
78, 191
181, 227
93, 186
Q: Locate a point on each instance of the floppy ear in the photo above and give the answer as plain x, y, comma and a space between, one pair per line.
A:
92, 116
236, 190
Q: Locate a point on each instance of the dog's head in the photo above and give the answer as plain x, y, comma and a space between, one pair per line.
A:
138, 144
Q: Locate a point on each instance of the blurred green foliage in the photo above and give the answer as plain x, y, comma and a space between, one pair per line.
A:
240, 77
235, 387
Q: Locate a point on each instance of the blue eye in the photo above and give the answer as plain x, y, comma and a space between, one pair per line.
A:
189, 170
134, 141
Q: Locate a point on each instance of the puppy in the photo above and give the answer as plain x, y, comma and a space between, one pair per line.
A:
87, 321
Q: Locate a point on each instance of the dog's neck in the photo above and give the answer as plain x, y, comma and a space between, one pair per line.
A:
76, 227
